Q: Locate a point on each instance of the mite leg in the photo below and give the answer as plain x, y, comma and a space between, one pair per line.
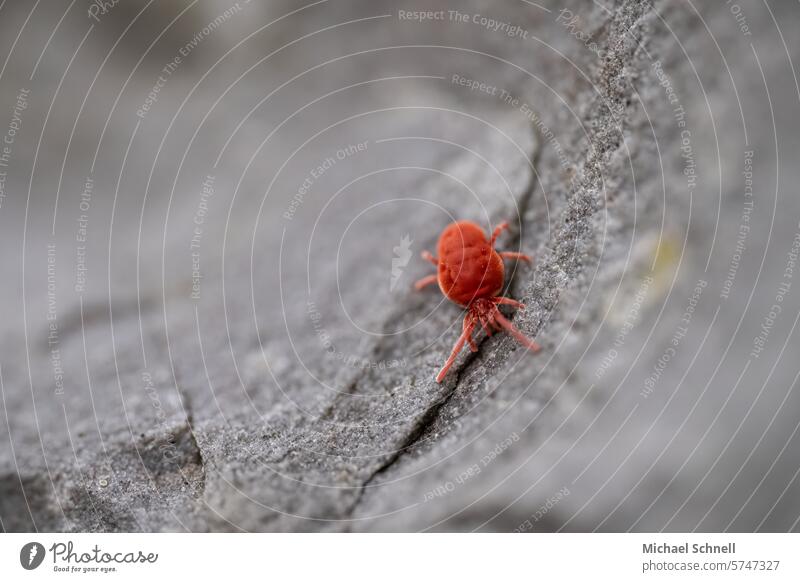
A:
500, 228
456, 349
486, 325
518, 256
424, 282
515, 333
471, 325
430, 258
508, 301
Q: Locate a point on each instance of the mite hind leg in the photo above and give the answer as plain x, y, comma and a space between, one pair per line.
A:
424, 282
517, 256
430, 279
500, 228
430, 258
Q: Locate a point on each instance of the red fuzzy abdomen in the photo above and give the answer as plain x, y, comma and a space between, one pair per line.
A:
469, 268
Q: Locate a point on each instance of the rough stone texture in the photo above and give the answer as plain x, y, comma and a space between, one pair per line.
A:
242, 410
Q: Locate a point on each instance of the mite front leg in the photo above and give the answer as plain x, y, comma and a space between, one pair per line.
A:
469, 325
517, 256
508, 301
498, 318
465, 335
424, 282
486, 325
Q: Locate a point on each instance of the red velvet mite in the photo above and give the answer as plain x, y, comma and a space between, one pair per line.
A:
471, 274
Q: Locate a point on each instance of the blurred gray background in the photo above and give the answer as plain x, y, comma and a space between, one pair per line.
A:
211, 217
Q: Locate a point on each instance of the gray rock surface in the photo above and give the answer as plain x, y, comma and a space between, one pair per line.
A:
290, 387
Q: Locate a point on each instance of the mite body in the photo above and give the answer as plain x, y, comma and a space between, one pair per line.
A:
470, 272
